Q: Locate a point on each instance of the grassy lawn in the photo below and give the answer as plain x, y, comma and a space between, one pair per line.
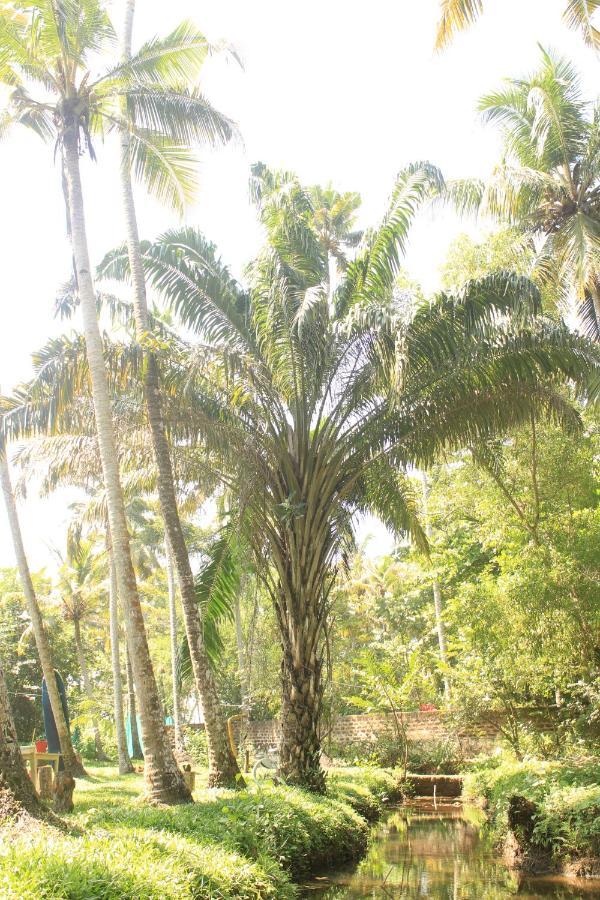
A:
247, 844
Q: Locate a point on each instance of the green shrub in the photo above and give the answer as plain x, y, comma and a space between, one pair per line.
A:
435, 758
246, 844
196, 744
386, 752
566, 793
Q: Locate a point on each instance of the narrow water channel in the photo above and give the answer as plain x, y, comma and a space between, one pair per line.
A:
419, 851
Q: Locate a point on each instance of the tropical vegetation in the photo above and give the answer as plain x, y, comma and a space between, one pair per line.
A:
219, 439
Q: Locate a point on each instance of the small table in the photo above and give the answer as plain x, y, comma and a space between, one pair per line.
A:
30, 755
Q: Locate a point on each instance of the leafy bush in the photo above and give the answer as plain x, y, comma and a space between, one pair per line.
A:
424, 757
566, 793
196, 744
435, 757
386, 752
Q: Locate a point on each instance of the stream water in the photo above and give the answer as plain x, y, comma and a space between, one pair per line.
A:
419, 851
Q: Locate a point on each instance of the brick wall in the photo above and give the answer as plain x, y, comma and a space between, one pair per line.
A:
420, 727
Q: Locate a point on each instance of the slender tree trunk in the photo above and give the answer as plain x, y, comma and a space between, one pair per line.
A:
437, 597
72, 765
13, 774
136, 746
164, 781
87, 687
241, 654
172, 589
125, 765
223, 767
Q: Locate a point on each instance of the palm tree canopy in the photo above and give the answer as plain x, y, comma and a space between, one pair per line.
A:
49, 53
456, 15
314, 414
548, 182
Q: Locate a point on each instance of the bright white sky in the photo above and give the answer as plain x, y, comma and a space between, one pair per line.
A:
336, 90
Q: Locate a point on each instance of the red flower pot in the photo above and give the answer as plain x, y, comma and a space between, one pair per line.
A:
41, 746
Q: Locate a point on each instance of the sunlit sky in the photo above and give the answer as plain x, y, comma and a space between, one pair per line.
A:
336, 90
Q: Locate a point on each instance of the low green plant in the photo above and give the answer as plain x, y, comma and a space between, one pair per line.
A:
566, 794
242, 844
196, 744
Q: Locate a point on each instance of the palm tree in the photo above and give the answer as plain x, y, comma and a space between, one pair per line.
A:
78, 585
125, 764
548, 182
223, 768
46, 48
334, 219
13, 774
311, 413
459, 14
72, 765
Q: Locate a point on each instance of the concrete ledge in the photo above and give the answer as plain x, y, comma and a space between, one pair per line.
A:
444, 785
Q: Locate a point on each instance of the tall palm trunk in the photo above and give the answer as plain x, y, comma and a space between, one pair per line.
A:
136, 747
223, 767
172, 590
302, 689
13, 774
164, 781
87, 687
125, 765
437, 596
72, 765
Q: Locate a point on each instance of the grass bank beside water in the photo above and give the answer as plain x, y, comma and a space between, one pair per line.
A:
566, 794
249, 844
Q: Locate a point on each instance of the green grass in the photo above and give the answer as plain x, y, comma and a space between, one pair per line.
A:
247, 844
567, 794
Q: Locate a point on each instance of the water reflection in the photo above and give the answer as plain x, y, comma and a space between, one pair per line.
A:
420, 851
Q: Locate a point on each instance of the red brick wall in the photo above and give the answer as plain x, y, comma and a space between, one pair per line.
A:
420, 727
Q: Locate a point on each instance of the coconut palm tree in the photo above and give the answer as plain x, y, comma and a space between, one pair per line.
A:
72, 764
548, 181
311, 412
223, 768
46, 53
459, 14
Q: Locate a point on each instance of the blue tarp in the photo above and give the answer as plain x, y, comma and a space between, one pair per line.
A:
129, 735
49, 723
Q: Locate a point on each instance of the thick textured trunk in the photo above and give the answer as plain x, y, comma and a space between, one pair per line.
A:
164, 781
437, 596
87, 687
13, 774
136, 746
223, 767
72, 765
125, 765
172, 589
302, 692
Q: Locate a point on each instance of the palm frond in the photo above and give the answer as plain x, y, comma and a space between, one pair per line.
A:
456, 15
